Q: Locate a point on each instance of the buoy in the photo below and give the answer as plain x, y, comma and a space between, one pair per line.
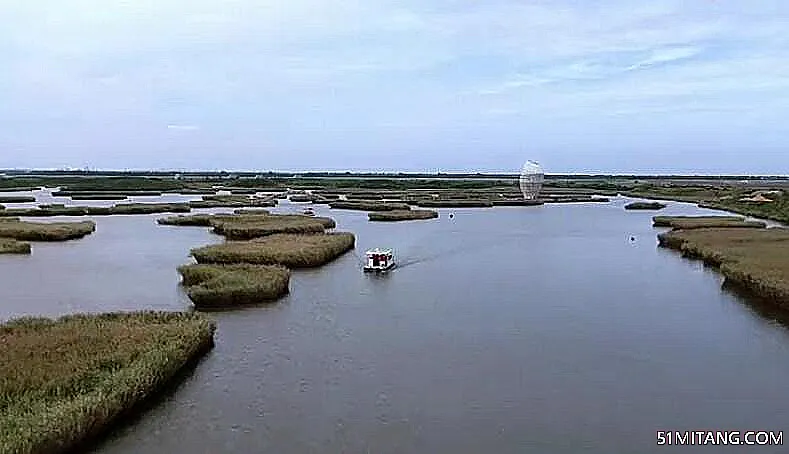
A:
632, 238
451, 215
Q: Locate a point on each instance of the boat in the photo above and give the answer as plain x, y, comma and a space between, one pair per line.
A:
379, 260
308, 212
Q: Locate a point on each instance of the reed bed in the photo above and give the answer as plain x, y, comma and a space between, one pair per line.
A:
368, 205
364, 196
289, 250
645, 206
246, 227
703, 222
10, 246
754, 259
193, 220
63, 382
402, 215
459, 203
300, 198
17, 199
99, 197
232, 201
326, 196
146, 208
225, 286
252, 211
126, 208
56, 231
87, 195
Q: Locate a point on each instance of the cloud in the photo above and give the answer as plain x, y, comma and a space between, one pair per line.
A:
667, 55
317, 78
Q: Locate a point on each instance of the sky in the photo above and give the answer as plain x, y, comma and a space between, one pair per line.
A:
589, 86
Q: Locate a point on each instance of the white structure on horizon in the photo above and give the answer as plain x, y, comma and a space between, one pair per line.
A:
531, 180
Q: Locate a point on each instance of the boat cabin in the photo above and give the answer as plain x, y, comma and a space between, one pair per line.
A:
379, 260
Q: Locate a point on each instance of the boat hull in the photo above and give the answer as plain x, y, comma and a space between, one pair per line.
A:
378, 269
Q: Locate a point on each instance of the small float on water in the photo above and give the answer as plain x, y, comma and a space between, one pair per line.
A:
308, 212
379, 260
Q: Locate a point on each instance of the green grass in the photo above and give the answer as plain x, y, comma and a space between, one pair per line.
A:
224, 286
16, 199
701, 222
368, 205
402, 215
756, 259
289, 250
56, 231
65, 381
10, 246
645, 206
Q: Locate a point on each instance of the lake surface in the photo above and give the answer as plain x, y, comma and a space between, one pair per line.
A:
507, 330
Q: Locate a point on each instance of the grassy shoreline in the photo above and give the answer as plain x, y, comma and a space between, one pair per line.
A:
753, 259
66, 381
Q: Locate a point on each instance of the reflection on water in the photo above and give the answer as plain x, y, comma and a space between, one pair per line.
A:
542, 329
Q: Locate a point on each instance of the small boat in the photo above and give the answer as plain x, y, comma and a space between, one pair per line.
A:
308, 212
379, 260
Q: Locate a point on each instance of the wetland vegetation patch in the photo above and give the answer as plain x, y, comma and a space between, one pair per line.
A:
226, 286
65, 381
40, 231
289, 250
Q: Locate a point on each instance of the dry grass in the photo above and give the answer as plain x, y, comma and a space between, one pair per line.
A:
254, 211
701, 222
222, 286
195, 220
62, 382
9, 246
48, 210
368, 205
402, 215
756, 259
246, 227
292, 251
233, 201
300, 198
56, 231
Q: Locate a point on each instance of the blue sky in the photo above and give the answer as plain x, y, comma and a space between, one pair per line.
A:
582, 86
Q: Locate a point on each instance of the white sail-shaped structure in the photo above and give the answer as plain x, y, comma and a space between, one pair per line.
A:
531, 180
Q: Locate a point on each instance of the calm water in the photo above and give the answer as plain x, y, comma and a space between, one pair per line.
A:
508, 330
